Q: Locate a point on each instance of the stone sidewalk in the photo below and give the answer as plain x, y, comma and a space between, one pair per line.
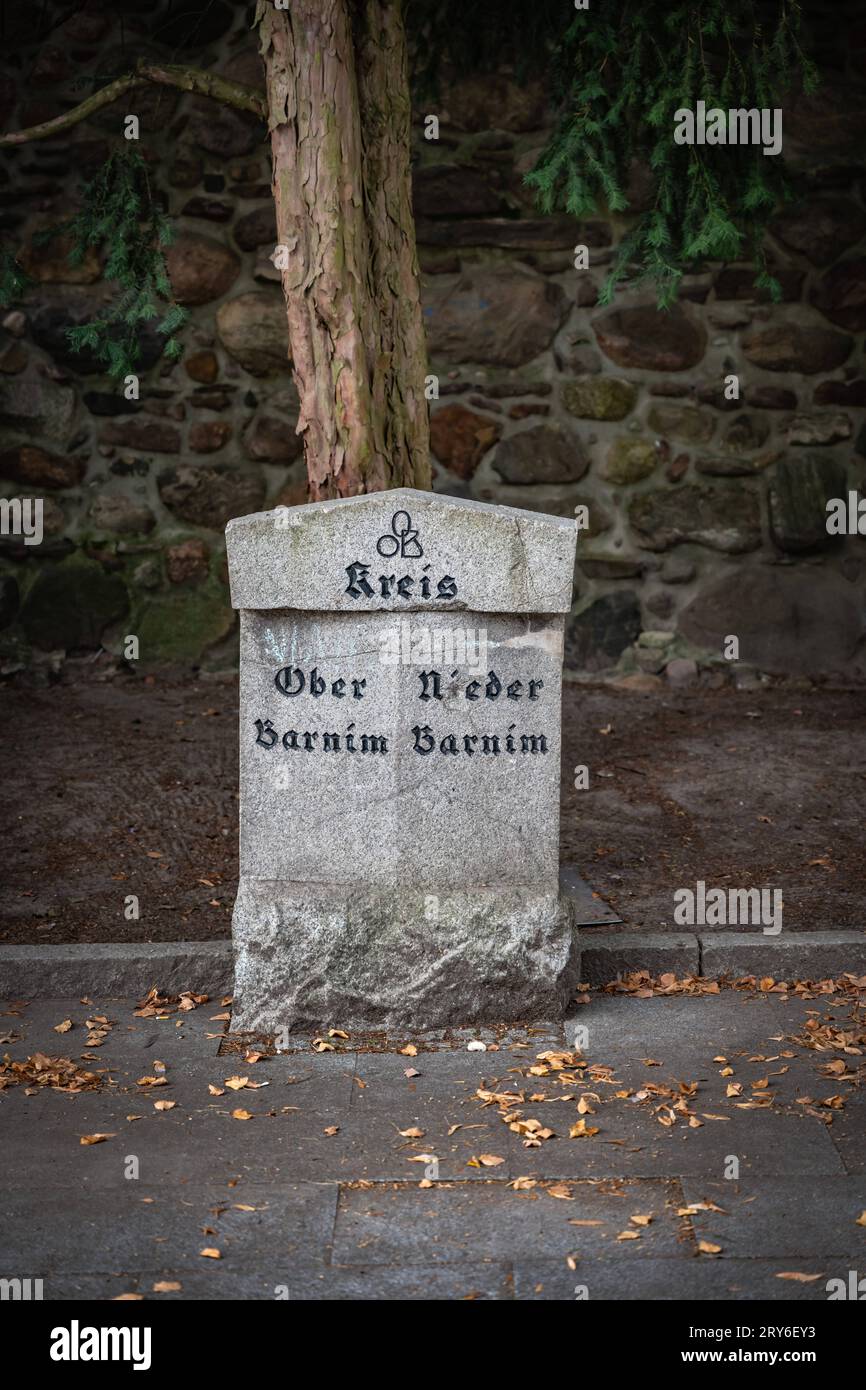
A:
322, 1192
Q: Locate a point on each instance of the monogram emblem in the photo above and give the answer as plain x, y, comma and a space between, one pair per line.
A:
404, 541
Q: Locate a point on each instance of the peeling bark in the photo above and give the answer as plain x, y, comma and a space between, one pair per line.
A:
338, 98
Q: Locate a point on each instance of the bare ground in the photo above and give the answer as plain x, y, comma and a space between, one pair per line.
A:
128, 786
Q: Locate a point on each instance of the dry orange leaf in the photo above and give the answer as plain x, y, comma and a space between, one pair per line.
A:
241, 1115
210, 1252
581, 1130
96, 1138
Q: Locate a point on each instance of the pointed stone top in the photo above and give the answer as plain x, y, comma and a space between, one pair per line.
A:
402, 551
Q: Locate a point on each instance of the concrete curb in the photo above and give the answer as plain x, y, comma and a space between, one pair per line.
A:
788, 956
115, 969
800, 955
604, 955
121, 969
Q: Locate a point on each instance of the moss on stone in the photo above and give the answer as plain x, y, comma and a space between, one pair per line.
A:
599, 398
176, 627
630, 461
70, 604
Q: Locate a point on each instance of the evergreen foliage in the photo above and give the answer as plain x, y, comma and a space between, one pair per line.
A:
620, 70
13, 280
118, 213
118, 210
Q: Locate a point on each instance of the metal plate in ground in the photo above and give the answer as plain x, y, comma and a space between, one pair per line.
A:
589, 909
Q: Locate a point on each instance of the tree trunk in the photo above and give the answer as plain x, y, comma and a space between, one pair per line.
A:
339, 117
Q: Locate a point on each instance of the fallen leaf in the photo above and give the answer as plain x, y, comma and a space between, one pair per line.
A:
167, 1286
706, 1248
241, 1115
798, 1277
164, 1104
63, 1027
410, 1050
331, 1130
210, 1253
96, 1138
581, 1130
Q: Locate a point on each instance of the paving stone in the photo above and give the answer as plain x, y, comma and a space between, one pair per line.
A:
848, 1133
217, 1281
105, 1232
181, 1034
697, 1026
632, 1143
703, 1279
197, 1139
490, 1221
783, 1217
442, 1096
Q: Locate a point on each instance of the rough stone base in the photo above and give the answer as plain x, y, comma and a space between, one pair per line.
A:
309, 955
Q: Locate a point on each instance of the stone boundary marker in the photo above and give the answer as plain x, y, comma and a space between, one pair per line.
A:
123, 969
400, 686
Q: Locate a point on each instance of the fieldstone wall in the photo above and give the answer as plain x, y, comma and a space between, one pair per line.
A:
706, 515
